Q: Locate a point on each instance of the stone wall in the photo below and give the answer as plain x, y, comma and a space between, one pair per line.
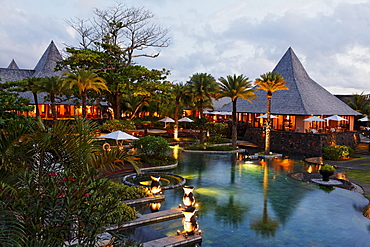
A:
307, 144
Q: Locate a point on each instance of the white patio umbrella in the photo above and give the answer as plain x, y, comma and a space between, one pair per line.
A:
314, 118
185, 119
265, 116
118, 136
167, 120
364, 119
336, 118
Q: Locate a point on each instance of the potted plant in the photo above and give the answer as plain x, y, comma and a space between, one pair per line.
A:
326, 171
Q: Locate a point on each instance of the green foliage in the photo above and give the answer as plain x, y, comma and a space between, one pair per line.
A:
116, 124
107, 160
337, 152
217, 139
11, 229
54, 204
359, 102
158, 160
328, 167
152, 145
217, 128
209, 148
48, 190
10, 103
126, 192
200, 123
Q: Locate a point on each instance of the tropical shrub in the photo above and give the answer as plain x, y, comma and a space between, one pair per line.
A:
337, 152
116, 124
217, 128
58, 207
152, 145
216, 139
161, 160
128, 192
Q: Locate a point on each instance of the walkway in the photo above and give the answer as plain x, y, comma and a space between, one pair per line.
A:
144, 219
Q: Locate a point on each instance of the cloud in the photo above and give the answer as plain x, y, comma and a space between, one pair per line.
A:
331, 38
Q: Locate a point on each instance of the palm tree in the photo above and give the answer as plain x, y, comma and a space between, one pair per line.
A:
202, 87
85, 80
54, 87
359, 102
236, 87
270, 82
32, 84
178, 92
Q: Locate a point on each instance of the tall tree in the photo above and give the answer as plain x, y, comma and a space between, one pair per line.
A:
111, 41
270, 82
359, 102
28, 84
53, 86
11, 103
178, 93
236, 87
32, 85
146, 86
200, 88
85, 80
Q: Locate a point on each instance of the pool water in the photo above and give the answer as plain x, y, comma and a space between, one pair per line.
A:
256, 204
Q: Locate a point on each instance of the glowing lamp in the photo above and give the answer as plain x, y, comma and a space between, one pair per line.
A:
189, 221
155, 206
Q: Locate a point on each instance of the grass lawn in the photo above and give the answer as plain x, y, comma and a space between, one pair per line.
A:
351, 159
359, 175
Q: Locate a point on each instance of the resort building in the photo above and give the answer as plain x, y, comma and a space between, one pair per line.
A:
305, 98
66, 108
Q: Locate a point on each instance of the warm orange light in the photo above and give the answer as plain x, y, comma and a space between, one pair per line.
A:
309, 170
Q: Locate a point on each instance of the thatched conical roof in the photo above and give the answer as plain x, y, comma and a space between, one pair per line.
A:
304, 97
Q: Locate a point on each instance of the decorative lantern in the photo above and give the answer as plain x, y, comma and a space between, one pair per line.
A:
155, 206
155, 186
247, 157
189, 221
188, 198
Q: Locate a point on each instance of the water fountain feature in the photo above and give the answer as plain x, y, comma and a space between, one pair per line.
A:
167, 180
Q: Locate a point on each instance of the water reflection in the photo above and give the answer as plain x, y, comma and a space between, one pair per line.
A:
245, 204
265, 226
232, 213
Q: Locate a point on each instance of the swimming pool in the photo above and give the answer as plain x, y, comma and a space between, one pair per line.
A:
256, 204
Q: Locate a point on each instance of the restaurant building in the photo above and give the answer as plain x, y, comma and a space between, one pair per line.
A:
305, 98
291, 132
66, 108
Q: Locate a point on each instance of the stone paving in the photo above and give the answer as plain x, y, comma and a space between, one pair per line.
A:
358, 165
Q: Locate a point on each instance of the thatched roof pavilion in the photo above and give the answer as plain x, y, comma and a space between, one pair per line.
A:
304, 98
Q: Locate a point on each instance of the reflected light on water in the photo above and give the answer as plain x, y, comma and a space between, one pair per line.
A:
280, 164
175, 151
